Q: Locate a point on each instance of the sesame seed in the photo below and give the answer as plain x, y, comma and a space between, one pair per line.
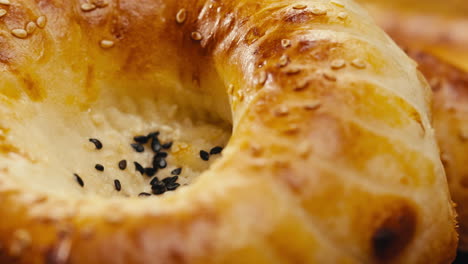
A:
337, 3
150, 172
342, 15
138, 147
283, 61
117, 185
161, 154
170, 180
96, 143
106, 44
41, 21
139, 168
141, 139
5, 2
159, 162
79, 180
2, 12
153, 134
154, 181
158, 188
285, 43
358, 63
329, 76
155, 144
204, 155
99, 167
262, 78
181, 16
196, 36
177, 171
122, 164
100, 3
281, 111
31, 27
230, 89
19, 33
172, 186
300, 7
319, 11
86, 7
312, 106
293, 71
216, 150
168, 145
144, 194
338, 64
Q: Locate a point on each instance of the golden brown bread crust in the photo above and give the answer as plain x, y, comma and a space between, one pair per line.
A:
328, 162
450, 86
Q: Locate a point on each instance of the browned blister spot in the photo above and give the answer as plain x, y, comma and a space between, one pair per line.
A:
395, 232
32, 88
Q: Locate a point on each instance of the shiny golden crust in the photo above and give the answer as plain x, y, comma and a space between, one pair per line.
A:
328, 162
450, 86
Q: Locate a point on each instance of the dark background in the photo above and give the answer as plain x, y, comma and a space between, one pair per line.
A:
462, 258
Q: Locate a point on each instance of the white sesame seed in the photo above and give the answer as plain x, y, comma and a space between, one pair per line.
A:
281, 111
262, 78
358, 63
41, 21
230, 89
329, 76
338, 64
100, 3
196, 36
283, 61
181, 16
86, 7
312, 105
2, 12
31, 27
19, 33
106, 44
342, 15
337, 3
319, 11
300, 7
285, 43
5, 2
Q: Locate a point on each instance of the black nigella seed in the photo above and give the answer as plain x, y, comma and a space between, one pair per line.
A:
99, 167
144, 194
167, 145
139, 168
117, 185
122, 164
172, 186
170, 180
79, 180
161, 154
204, 155
152, 135
141, 139
158, 188
96, 143
177, 171
155, 145
159, 162
150, 172
138, 147
154, 181
216, 150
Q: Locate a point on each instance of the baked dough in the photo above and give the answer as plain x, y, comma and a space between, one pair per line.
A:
332, 157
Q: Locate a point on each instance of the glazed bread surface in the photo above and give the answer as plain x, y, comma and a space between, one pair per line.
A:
330, 155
